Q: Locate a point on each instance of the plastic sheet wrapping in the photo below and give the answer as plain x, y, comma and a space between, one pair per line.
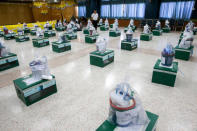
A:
92, 30
106, 23
46, 26
129, 34
190, 26
69, 28
24, 26
39, 32
146, 29
101, 21
158, 25
116, 22
40, 70
89, 24
35, 26
167, 55
101, 44
187, 39
167, 24
62, 38
4, 51
131, 23
126, 110
20, 31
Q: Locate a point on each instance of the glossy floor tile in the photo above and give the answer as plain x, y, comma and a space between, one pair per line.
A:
82, 101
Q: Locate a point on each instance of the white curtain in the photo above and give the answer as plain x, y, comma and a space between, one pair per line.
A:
117, 10
176, 10
105, 10
136, 10
81, 11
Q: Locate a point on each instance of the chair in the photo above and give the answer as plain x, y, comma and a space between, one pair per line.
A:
179, 25
172, 24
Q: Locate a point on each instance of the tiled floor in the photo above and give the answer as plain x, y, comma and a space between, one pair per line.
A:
81, 103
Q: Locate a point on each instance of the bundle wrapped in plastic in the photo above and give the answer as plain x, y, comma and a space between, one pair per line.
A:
39, 33
35, 26
77, 21
129, 34
100, 21
131, 23
72, 23
62, 38
5, 30
59, 23
116, 22
39, 68
24, 25
167, 24
190, 25
187, 39
146, 29
101, 44
46, 26
4, 51
126, 110
167, 55
89, 24
106, 23
115, 26
20, 31
158, 25
69, 28
92, 30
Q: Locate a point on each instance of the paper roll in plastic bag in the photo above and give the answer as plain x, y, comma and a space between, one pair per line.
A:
187, 39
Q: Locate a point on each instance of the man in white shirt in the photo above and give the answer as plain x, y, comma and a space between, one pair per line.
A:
94, 19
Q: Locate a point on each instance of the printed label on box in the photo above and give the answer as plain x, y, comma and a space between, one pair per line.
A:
12, 59
32, 91
105, 57
60, 45
111, 55
49, 84
2, 62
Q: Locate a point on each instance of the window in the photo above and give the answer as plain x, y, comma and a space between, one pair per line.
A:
176, 10
81, 11
105, 10
117, 10
134, 10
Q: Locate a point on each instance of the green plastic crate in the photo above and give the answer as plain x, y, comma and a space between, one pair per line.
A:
183, 54
127, 45
91, 38
34, 92
21, 38
127, 28
10, 36
8, 62
71, 36
86, 31
157, 32
164, 75
166, 30
113, 33
40, 42
61, 47
146, 37
61, 28
26, 30
107, 126
49, 33
1, 34
103, 28
33, 32
101, 59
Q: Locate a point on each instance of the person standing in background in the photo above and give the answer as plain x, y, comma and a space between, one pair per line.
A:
94, 19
